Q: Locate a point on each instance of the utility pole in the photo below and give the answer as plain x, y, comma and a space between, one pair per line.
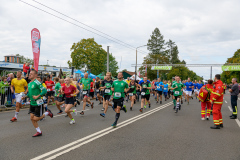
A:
107, 58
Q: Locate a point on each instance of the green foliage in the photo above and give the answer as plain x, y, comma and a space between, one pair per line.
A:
227, 76
23, 59
90, 55
164, 53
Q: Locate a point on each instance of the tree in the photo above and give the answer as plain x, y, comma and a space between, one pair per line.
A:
161, 53
156, 44
90, 55
23, 59
227, 76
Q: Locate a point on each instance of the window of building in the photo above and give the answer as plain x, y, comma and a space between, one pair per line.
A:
7, 59
15, 59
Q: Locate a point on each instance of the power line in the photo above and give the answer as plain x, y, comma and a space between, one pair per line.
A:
127, 46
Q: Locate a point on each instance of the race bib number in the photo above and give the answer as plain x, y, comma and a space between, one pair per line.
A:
39, 102
107, 90
143, 93
130, 94
176, 92
158, 87
48, 90
84, 92
118, 94
165, 88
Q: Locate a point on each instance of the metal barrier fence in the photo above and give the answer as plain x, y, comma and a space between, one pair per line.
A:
7, 97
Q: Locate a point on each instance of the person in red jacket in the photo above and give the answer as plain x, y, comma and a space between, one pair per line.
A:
216, 99
207, 103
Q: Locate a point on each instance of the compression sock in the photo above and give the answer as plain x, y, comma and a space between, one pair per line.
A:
117, 117
174, 102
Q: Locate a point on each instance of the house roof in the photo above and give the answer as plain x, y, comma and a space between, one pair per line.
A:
11, 55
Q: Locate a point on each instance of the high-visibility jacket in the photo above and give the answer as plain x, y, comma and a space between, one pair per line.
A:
208, 87
217, 93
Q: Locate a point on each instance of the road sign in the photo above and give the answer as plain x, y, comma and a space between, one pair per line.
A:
161, 68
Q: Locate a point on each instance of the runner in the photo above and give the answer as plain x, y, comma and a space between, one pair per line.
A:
177, 88
165, 90
106, 85
199, 86
173, 98
70, 91
181, 93
169, 89
58, 96
132, 92
86, 91
35, 91
159, 86
19, 85
189, 87
118, 88
49, 83
153, 89
97, 87
145, 93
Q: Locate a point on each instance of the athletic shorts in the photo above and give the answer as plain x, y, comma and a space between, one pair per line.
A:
147, 96
97, 91
102, 93
160, 92
69, 100
18, 97
50, 93
171, 92
176, 97
91, 94
85, 93
59, 99
107, 97
189, 93
165, 93
132, 94
118, 102
36, 110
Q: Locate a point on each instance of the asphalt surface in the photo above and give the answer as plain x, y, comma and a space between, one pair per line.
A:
157, 133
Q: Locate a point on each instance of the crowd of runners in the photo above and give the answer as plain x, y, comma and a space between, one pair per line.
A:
64, 94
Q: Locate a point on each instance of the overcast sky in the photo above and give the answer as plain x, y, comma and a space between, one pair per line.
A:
205, 31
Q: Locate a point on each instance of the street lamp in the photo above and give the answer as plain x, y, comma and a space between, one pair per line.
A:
136, 61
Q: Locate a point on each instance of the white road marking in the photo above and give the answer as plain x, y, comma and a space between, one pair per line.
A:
238, 122
77, 144
66, 114
225, 101
230, 108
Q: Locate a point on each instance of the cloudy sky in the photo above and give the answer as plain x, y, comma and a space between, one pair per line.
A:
206, 32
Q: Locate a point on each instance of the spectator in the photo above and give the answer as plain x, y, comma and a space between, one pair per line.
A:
27, 69
24, 66
234, 97
9, 92
3, 89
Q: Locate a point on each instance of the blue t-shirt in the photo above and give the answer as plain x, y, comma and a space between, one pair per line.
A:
199, 86
195, 85
140, 82
158, 87
165, 88
189, 86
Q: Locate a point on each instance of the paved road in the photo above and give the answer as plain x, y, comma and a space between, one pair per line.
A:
157, 133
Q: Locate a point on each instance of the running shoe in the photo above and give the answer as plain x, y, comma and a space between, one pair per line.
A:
141, 110
130, 108
149, 106
14, 119
92, 105
202, 119
114, 125
176, 110
72, 122
102, 114
125, 108
50, 114
75, 112
60, 112
145, 106
37, 134
82, 113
